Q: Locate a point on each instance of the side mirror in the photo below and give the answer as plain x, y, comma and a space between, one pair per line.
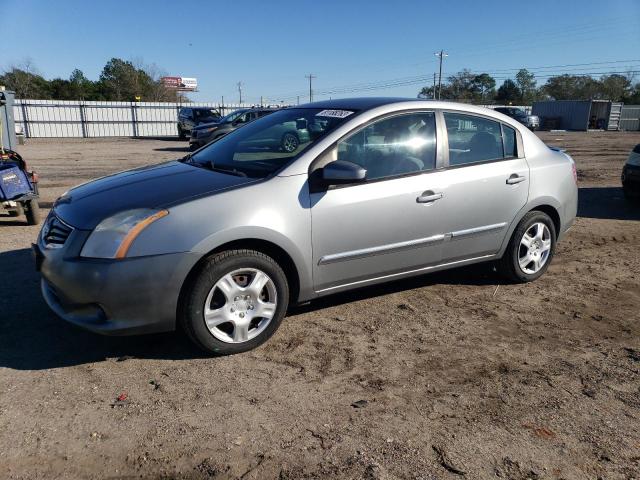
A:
341, 171
301, 124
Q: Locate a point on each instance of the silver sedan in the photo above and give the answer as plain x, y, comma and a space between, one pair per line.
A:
222, 241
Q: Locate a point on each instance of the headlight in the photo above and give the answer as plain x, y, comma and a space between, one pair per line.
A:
114, 235
634, 159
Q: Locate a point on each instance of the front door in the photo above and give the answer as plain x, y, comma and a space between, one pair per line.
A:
390, 224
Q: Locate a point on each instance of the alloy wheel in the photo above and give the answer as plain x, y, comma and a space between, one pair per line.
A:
289, 143
240, 305
534, 249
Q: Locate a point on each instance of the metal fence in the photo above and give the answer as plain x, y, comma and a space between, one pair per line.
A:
79, 119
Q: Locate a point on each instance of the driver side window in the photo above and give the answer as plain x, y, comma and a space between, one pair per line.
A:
398, 145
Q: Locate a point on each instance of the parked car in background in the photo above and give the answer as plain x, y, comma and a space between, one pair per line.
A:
376, 189
208, 132
191, 117
532, 122
631, 175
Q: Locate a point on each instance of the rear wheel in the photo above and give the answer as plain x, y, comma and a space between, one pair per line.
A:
236, 301
530, 249
33, 212
289, 142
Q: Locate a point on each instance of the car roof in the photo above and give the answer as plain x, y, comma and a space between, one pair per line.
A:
361, 103
198, 108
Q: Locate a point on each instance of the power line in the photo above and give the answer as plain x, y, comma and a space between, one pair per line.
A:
425, 79
417, 79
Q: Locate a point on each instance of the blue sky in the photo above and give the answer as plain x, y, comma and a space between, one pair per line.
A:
271, 45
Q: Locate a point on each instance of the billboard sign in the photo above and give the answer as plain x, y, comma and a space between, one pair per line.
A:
182, 84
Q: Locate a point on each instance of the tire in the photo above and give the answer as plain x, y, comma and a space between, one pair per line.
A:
510, 263
202, 291
181, 134
289, 142
33, 212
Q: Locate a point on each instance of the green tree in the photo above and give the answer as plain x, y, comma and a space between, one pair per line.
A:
25, 81
483, 87
121, 81
526, 82
427, 92
615, 87
508, 92
81, 88
464, 86
573, 87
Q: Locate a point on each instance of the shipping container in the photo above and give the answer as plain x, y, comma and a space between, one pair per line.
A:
630, 118
578, 114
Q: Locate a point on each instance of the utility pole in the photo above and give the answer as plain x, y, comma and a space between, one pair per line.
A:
441, 56
311, 76
434, 85
240, 91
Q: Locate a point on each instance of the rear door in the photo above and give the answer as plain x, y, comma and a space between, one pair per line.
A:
486, 184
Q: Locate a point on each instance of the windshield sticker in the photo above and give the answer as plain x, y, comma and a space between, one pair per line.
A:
334, 113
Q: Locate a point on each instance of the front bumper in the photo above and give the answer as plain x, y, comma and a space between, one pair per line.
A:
113, 297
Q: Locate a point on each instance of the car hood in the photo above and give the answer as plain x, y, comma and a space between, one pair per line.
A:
156, 186
202, 126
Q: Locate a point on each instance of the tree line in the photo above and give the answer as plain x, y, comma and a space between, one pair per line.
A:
466, 86
123, 80
120, 80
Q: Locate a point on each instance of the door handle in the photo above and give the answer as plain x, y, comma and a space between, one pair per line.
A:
429, 196
515, 178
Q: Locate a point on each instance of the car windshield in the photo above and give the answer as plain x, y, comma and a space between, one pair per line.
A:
202, 114
269, 143
232, 116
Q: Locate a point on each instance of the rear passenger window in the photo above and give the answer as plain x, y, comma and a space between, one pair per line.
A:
473, 139
399, 145
509, 136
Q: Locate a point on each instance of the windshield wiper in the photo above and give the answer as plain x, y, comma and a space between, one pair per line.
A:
230, 171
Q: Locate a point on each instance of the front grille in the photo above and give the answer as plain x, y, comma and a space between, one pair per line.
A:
56, 232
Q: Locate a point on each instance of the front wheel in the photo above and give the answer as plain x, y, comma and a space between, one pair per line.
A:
181, 134
530, 249
236, 302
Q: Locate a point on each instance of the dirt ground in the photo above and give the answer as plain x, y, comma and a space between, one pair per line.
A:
454, 375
